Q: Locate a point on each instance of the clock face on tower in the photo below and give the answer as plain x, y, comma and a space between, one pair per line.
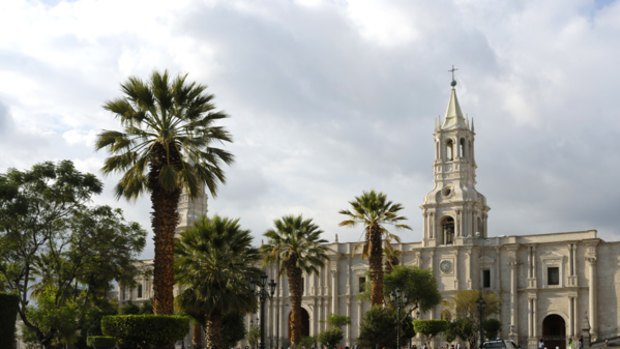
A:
445, 266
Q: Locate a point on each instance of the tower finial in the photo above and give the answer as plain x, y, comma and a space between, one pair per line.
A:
453, 83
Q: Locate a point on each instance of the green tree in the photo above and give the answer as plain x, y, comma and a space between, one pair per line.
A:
53, 245
462, 328
233, 329
331, 337
374, 212
430, 328
333, 334
253, 336
491, 327
466, 307
216, 265
417, 286
167, 146
378, 328
296, 246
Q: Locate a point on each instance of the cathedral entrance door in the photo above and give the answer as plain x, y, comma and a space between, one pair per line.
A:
554, 332
305, 323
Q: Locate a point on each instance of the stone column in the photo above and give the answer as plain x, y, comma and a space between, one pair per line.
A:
334, 291
592, 297
358, 323
514, 307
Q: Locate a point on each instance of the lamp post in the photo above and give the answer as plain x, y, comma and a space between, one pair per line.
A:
398, 298
265, 290
481, 305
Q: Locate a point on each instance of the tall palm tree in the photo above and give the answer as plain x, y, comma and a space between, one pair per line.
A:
168, 145
217, 264
374, 211
295, 245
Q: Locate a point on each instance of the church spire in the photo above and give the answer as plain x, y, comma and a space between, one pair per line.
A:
454, 116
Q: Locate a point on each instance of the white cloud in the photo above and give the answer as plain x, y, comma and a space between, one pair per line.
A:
331, 98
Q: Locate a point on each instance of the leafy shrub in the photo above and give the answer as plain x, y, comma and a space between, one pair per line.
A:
145, 330
331, 337
491, 327
101, 342
8, 315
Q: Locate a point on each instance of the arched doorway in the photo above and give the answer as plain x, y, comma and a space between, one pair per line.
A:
554, 332
305, 323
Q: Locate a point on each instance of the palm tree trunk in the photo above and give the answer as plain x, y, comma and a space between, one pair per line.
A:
197, 335
295, 290
214, 331
375, 266
164, 222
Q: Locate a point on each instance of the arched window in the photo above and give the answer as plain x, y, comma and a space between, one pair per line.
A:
447, 230
479, 226
450, 150
462, 148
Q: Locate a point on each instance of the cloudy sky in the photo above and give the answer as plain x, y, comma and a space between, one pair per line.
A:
331, 98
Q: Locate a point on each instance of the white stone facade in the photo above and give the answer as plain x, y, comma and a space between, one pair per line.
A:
547, 283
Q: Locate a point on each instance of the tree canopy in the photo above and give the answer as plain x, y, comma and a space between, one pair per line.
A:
374, 211
216, 266
417, 287
58, 250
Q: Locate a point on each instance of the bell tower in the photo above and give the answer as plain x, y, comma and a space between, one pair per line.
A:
454, 210
191, 208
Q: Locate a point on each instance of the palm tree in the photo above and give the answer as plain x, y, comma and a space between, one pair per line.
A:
217, 264
374, 211
295, 245
167, 145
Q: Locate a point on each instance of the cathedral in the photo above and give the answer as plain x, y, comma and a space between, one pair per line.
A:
550, 285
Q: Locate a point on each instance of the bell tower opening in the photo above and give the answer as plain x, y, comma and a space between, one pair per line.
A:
450, 150
447, 230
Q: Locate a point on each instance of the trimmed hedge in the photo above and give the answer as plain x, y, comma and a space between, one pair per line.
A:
101, 342
8, 316
145, 330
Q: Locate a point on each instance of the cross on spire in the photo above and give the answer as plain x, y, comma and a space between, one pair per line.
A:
452, 71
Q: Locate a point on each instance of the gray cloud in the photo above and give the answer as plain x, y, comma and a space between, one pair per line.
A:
331, 100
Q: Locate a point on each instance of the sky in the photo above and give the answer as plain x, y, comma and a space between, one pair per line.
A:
328, 99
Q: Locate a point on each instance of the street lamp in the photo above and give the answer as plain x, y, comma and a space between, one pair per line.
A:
265, 290
399, 299
481, 305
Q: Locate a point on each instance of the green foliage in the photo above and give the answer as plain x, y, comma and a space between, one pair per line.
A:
461, 328
296, 246
233, 329
216, 262
56, 248
8, 315
466, 306
491, 327
373, 210
129, 308
338, 321
48, 316
430, 328
101, 342
417, 286
331, 337
307, 342
145, 330
253, 336
378, 328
